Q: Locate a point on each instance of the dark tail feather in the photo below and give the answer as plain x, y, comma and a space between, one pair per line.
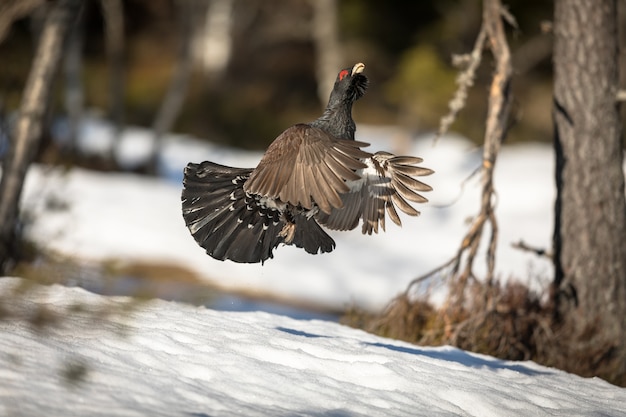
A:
222, 219
311, 237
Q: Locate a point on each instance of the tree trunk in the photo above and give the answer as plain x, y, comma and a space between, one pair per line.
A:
74, 94
177, 90
113, 15
590, 210
26, 135
212, 41
327, 49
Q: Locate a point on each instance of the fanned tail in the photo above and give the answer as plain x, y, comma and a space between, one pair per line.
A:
223, 219
311, 237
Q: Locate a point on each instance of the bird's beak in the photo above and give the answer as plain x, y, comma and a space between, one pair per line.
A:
358, 68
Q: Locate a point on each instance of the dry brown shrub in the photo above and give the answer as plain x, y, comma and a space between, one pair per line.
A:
505, 321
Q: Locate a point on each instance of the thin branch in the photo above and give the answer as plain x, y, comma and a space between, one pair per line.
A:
523, 246
465, 81
12, 10
508, 16
429, 274
461, 189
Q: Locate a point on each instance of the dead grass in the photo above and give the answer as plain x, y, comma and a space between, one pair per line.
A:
505, 321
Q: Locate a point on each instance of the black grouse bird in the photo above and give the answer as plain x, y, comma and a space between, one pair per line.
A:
312, 174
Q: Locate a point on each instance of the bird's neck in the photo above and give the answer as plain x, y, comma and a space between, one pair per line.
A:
337, 120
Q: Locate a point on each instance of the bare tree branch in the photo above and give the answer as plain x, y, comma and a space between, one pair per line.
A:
523, 246
11, 10
465, 81
492, 35
497, 120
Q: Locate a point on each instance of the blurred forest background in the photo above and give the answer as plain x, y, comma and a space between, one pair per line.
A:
254, 66
238, 72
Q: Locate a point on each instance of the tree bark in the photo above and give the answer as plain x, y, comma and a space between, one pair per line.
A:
28, 128
590, 209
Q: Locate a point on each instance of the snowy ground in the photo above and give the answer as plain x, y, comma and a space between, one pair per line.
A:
113, 356
98, 216
158, 358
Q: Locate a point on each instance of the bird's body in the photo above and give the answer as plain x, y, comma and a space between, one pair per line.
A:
312, 174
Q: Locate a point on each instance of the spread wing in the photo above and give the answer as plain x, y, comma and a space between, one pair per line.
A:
387, 183
305, 165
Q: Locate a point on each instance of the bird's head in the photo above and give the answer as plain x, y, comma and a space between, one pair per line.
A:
350, 85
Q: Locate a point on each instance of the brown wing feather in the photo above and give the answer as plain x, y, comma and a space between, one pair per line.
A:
386, 184
276, 166
305, 165
393, 213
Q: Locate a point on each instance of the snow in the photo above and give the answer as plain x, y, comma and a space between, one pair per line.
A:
126, 217
159, 358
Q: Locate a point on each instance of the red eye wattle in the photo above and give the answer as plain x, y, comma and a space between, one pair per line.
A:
343, 74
